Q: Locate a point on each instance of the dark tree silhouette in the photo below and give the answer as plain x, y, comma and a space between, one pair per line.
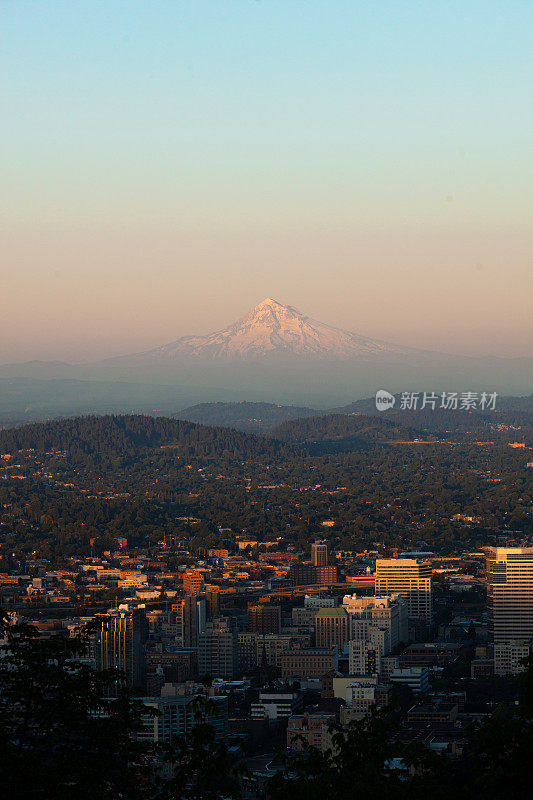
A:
62, 739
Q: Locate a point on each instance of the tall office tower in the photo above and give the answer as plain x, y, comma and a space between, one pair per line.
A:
364, 658
510, 605
319, 554
411, 579
372, 634
218, 650
119, 643
331, 627
383, 619
192, 619
264, 618
212, 599
193, 581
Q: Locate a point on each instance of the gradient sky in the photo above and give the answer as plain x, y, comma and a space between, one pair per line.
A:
167, 165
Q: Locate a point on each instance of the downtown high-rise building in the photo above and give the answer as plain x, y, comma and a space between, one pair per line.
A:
119, 644
212, 601
263, 618
319, 554
412, 580
218, 649
332, 627
193, 582
510, 605
380, 620
364, 657
190, 618
193, 619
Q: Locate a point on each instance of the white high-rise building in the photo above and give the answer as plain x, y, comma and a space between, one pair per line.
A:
510, 592
410, 578
510, 605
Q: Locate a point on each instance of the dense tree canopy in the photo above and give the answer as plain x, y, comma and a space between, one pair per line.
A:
208, 485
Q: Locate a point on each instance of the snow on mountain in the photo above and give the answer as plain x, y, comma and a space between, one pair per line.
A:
272, 328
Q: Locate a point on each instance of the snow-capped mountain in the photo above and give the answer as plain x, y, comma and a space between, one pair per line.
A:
272, 328
274, 354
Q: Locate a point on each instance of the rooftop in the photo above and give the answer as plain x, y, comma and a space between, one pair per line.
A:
338, 611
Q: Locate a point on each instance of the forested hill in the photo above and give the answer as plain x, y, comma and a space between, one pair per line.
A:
341, 432
511, 413
506, 425
245, 416
125, 435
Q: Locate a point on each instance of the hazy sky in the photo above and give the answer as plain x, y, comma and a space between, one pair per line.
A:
167, 165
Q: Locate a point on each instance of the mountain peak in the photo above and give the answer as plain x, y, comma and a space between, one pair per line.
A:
268, 301
274, 306
274, 329
272, 310
267, 304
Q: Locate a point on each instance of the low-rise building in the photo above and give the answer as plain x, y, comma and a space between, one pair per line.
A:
276, 705
193, 582
309, 728
509, 656
432, 654
481, 668
414, 678
308, 662
176, 715
364, 692
270, 648
433, 715
176, 663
